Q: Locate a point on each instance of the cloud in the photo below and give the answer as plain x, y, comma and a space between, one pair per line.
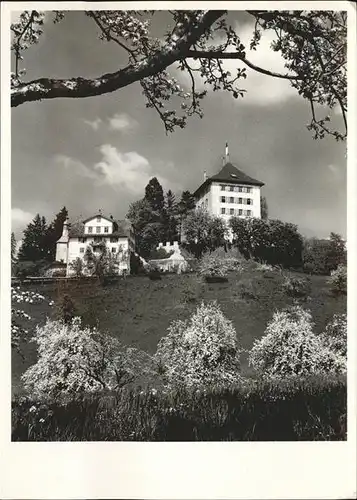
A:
119, 121
19, 219
94, 124
129, 171
261, 90
74, 167
122, 122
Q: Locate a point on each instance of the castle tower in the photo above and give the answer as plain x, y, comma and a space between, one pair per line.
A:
62, 244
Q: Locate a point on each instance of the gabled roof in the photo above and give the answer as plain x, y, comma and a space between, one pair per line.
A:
123, 227
98, 215
231, 174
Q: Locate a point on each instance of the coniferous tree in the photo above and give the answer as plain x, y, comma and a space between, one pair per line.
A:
13, 253
185, 206
154, 194
263, 208
13, 248
171, 213
33, 247
53, 233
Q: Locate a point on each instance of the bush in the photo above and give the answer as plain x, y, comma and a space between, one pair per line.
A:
321, 256
271, 241
335, 334
160, 254
77, 267
300, 409
213, 267
296, 287
73, 359
200, 351
338, 280
290, 348
136, 265
153, 272
66, 309
59, 273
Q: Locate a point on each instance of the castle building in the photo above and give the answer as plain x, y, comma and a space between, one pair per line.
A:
118, 235
229, 193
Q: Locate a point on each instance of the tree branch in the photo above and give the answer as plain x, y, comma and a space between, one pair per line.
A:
50, 88
211, 54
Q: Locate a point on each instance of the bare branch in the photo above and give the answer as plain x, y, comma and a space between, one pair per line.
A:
183, 38
236, 55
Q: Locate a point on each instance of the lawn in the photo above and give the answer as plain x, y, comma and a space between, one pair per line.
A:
138, 311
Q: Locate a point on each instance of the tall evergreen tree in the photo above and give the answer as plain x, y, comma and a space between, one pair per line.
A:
171, 213
187, 203
53, 233
13, 248
263, 208
185, 206
154, 194
33, 247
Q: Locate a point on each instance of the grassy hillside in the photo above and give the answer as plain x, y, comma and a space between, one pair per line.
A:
139, 311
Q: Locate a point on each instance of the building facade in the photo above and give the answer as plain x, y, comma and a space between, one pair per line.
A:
117, 235
230, 193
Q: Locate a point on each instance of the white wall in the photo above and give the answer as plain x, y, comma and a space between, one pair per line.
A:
215, 204
103, 223
75, 246
61, 252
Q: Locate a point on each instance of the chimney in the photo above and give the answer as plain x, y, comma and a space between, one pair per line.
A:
227, 153
204, 175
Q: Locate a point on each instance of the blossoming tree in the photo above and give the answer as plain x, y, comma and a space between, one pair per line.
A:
73, 359
201, 351
313, 45
290, 348
19, 318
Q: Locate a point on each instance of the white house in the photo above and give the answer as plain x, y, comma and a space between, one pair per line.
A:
117, 234
230, 193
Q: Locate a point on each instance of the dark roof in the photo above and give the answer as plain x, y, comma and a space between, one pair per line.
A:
229, 173
76, 229
99, 215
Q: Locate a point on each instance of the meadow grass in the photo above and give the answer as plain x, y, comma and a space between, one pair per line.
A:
138, 311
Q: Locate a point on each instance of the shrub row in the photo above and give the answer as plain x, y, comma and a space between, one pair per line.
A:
293, 409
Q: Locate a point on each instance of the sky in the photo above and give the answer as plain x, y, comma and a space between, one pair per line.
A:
100, 152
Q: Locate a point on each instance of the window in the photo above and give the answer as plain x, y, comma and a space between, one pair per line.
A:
90, 229
231, 211
249, 201
97, 229
223, 210
223, 199
98, 219
81, 240
106, 229
240, 211
231, 199
114, 249
249, 213
240, 201
223, 187
231, 188
113, 240
240, 189
81, 250
249, 190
